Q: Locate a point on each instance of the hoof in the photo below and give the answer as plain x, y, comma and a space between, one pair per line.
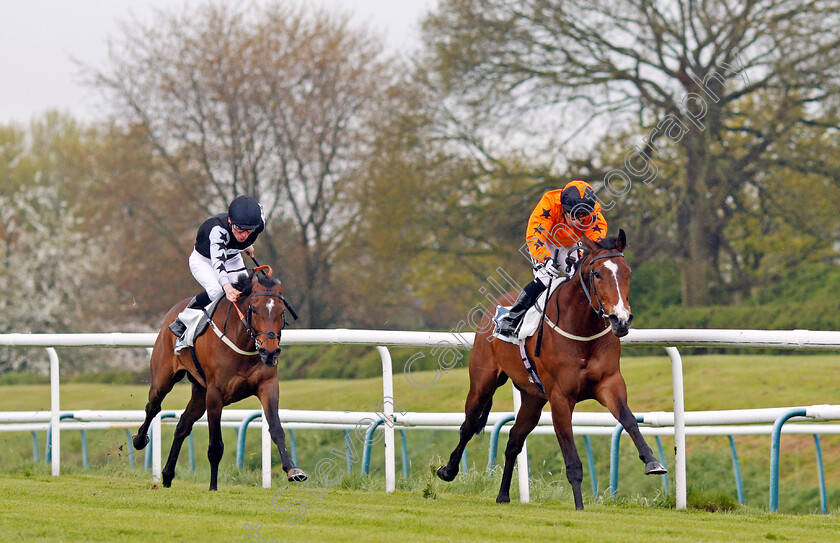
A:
168, 483
502, 499
138, 443
444, 475
655, 468
297, 475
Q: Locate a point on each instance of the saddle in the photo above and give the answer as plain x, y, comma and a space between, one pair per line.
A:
197, 322
531, 320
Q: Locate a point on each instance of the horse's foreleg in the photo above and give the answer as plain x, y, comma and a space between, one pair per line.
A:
162, 383
193, 412
613, 396
216, 448
477, 408
268, 395
561, 415
526, 421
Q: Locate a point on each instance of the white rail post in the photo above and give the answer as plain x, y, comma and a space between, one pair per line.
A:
522, 459
679, 427
266, 452
388, 411
157, 438
55, 413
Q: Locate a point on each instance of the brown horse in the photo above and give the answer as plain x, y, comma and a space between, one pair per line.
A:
571, 370
223, 373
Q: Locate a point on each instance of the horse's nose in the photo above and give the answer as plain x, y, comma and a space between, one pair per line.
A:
269, 358
620, 327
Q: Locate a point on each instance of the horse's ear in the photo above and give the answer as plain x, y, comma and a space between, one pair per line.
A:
621, 243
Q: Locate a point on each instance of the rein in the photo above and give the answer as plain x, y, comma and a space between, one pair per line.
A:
586, 288
246, 320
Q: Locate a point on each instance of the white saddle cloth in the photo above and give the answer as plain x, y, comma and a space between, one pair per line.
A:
531, 320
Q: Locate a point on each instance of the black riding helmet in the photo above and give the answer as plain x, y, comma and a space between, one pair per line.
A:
245, 212
578, 198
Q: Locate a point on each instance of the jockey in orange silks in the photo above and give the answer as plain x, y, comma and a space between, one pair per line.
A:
555, 228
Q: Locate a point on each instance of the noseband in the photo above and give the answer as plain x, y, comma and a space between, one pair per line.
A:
587, 288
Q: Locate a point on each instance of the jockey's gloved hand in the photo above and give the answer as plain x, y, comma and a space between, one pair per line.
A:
550, 267
573, 257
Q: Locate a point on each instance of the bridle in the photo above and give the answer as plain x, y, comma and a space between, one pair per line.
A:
246, 320
246, 317
590, 287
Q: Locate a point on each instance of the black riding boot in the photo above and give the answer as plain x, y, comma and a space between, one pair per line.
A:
199, 301
510, 322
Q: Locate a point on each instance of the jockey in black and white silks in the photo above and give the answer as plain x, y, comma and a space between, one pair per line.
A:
216, 261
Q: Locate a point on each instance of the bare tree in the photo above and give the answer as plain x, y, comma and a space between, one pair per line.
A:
269, 101
682, 69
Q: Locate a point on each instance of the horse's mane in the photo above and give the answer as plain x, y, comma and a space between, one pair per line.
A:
244, 285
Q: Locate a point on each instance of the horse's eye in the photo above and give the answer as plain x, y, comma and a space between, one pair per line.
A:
596, 274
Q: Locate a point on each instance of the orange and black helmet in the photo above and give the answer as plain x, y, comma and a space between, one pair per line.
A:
578, 198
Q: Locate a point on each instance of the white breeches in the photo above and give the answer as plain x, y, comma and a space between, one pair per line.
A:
206, 276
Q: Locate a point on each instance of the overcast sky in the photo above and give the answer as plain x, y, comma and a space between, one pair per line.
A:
38, 39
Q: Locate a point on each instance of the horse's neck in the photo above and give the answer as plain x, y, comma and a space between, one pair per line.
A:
228, 319
575, 316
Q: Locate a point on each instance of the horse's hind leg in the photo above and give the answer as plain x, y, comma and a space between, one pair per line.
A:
526, 420
477, 408
163, 379
613, 395
268, 394
194, 410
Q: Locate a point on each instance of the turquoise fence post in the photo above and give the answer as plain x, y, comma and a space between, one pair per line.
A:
614, 443
34, 446
129, 448
147, 464
292, 446
465, 465
821, 475
775, 439
737, 468
349, 454
240, 438
662, 459
404, 454
494, 440
191, 448
591, 459
48, 446
368, 444
84, 449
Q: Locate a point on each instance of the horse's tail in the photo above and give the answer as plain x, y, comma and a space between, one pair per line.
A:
482, 420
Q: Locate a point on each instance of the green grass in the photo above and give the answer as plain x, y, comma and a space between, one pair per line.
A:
712, 382
114, 508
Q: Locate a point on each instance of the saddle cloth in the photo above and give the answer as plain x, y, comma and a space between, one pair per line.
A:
196, 321
531, 320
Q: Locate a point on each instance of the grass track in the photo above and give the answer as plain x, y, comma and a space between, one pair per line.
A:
124, 508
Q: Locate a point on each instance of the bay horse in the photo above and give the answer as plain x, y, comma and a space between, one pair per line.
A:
222, 373
593, 303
